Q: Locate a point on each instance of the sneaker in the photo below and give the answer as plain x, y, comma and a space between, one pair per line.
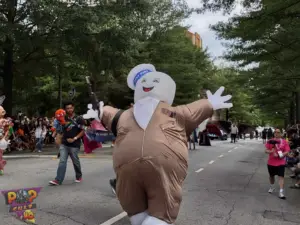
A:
78, 180
281, 195
54, 182
113, 183
39, 151
295, 186
1, 172
271, 190
293, 176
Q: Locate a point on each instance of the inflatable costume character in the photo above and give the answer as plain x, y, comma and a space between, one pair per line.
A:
150, 155
4, 131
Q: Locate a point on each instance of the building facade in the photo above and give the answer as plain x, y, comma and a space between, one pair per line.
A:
195, 38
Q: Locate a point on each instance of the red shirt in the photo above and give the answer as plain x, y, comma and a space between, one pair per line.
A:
282, 146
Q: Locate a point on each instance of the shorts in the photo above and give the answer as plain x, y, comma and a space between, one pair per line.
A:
276, 170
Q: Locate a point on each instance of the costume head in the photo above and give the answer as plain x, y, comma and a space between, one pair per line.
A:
60, 116
147, 82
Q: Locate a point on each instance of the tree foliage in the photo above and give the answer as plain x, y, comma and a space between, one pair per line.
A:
47, 47
264, 41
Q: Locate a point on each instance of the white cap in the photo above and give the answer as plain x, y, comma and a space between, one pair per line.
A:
137, 73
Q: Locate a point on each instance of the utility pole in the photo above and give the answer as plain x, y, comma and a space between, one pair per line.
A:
59, 90
298, 102
59, 70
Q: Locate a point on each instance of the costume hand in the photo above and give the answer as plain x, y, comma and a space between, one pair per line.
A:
70, 140
217, 101
202, 126
93, 114
4, 144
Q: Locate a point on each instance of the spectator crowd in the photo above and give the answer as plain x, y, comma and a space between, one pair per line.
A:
30, 133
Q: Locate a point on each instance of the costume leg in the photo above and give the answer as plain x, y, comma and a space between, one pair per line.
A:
163, 183
2, 162
130, 189
138, 218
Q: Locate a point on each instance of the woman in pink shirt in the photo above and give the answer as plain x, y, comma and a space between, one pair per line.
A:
278, 149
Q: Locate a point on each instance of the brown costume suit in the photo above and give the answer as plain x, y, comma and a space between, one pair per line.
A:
151, 165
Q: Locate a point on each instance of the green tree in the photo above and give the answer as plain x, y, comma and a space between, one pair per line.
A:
271, 43
173, 53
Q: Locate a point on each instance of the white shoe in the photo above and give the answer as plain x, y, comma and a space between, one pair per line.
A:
138, 218
271, 190
150, 220
281, 195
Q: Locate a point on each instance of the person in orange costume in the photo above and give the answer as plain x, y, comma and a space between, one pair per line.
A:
60, 115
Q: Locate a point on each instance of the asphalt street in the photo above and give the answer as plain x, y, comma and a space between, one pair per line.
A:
226, 185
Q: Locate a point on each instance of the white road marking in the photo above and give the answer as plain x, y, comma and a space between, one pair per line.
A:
235, 147
230, 151
211, 162
115, 219
220, 156
198, 171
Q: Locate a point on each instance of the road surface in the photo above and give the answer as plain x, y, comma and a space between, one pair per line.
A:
226, 185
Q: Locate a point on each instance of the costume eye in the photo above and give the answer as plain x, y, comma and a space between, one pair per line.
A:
156, 80
143, 80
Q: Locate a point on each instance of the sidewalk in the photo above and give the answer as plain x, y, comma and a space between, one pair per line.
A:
50, 151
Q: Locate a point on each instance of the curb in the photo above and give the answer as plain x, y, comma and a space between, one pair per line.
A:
26, 156
54, 156
105, 151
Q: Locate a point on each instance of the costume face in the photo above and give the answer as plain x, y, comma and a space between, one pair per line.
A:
156, 85
28, 214
60, 116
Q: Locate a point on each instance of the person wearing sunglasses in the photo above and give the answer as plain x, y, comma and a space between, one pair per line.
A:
277, 148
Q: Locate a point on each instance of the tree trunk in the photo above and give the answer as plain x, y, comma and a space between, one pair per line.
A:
298, 101
8, 76
227, 114
8, 49
292, 118
59, 90
298, 106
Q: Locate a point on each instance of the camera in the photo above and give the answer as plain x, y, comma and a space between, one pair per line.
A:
273, 142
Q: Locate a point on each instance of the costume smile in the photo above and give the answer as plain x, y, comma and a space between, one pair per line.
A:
147, 89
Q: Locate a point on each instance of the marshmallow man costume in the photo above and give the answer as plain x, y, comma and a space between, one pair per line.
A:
150, 156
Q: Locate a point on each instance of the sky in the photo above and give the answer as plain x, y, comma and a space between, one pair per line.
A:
200, 23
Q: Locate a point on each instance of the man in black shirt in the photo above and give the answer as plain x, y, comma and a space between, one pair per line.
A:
71, 141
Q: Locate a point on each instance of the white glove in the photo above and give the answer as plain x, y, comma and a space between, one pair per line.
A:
202, 126
217, 101
93, 114
4, 144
